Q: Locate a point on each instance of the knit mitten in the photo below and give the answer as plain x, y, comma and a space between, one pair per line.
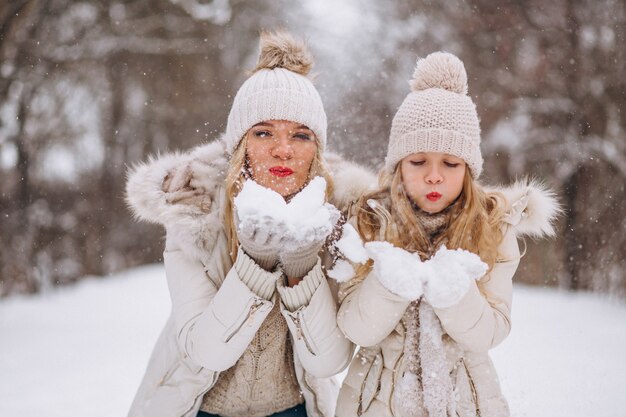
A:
454, 271
302, 243
297, 263
261, 238
399, 271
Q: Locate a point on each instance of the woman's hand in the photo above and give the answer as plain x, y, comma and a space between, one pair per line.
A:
301, 245
262, 237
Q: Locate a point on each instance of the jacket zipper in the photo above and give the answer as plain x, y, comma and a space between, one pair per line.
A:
257, 304
473, 388
202, 392
306, 383
301, 334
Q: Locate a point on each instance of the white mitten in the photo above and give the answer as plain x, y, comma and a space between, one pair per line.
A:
399, 271
454, 270
261, 228
303, 241
310, 221
261, 238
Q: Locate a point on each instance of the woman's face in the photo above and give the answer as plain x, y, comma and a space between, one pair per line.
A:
432, 180
280, 154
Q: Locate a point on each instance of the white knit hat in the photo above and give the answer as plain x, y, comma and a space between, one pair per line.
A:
277, 90
438, 115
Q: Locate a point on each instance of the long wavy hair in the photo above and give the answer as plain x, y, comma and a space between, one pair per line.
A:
474, 220
238, 172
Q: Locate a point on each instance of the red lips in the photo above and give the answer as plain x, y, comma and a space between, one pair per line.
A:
434, 196
281, 171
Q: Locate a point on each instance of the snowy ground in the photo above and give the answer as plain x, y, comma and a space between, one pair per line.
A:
81, 351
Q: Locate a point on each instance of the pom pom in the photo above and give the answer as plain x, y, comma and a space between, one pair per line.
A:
281, 50
440, 70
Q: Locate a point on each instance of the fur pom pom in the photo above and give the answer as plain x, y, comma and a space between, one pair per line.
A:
534, 208
440, 70
281, 50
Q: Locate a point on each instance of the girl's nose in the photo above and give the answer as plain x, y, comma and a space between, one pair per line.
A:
433, 176
282, 148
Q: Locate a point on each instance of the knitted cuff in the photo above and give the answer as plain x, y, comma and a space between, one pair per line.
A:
298, 264
300, 295
260, 281
264, 257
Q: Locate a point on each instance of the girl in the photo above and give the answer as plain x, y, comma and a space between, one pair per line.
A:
436, 294
253, 325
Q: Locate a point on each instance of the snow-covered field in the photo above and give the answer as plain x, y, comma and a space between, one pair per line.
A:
81, 351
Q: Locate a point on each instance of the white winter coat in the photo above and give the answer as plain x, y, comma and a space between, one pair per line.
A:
370, 315
214, 314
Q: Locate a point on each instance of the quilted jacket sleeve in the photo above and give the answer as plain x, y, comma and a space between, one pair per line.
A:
310, 310
214, 325
482, 319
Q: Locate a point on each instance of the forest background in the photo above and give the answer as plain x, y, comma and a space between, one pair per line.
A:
88, 88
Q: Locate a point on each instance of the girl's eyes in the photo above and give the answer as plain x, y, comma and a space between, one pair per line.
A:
448, 164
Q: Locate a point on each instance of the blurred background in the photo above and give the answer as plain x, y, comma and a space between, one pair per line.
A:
88, 88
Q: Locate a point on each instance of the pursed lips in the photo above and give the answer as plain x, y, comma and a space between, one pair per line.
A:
281, 171
433, 196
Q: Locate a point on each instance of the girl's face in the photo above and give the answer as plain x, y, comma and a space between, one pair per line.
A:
432, 180
280, 154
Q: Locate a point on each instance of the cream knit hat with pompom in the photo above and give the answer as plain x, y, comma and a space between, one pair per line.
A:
438, 115
277, 90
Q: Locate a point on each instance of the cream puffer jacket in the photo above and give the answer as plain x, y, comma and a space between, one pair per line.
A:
370, 316
214, 314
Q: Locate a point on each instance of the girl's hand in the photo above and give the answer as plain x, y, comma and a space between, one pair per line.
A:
453, 272
399, 271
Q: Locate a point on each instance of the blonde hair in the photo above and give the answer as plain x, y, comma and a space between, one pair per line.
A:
474, 225
237, 174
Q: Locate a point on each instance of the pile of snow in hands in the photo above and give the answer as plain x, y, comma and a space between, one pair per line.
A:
307, 217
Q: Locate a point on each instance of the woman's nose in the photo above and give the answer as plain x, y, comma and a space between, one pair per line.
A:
282, 148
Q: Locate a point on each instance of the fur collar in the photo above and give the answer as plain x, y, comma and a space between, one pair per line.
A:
532, 208
195, 226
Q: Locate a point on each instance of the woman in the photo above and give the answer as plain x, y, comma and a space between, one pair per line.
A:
253, 326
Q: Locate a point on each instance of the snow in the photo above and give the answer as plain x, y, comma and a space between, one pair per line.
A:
454, 271
342, 271
351, 245
81, 350
306, 217
399, 271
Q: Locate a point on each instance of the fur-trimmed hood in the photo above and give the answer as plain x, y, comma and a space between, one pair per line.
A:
193, 214
195, 221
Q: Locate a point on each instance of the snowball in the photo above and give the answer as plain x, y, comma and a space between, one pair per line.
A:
247, 202
306, 218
